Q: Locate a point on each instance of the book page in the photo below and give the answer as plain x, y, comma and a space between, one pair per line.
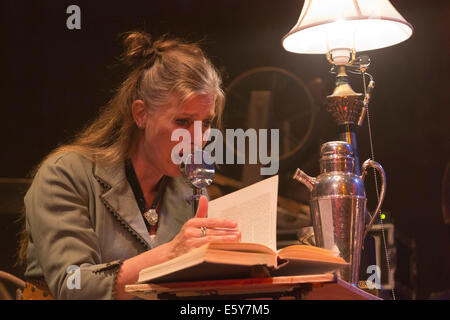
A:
310, 253
251, 247
255, 210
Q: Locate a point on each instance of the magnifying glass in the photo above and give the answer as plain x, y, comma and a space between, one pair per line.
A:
198, 170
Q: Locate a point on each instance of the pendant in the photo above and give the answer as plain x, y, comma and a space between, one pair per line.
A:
151, 216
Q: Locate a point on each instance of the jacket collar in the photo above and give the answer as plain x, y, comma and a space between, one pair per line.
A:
119, 199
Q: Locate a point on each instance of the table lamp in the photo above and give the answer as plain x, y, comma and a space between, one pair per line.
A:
340, 29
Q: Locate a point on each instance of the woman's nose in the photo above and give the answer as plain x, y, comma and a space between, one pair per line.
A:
197, 131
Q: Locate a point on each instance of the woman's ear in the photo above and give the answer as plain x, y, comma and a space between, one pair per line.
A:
139, 112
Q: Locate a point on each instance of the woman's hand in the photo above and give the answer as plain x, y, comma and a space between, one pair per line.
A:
192, 236
189, 237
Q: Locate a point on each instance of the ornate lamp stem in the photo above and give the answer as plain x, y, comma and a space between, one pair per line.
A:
346, 107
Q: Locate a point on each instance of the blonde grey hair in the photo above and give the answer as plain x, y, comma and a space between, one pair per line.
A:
179, 70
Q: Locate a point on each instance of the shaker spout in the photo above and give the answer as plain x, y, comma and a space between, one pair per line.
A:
305, 179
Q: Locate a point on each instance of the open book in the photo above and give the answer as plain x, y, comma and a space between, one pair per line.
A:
255, 210
222, 260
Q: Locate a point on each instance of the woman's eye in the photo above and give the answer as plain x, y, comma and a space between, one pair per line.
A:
182, 122
187, 123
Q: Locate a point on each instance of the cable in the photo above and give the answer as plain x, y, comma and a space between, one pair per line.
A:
366, 106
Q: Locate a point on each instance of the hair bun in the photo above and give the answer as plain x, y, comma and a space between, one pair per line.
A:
138, 48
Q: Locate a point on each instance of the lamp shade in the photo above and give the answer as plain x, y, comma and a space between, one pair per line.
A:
362, 25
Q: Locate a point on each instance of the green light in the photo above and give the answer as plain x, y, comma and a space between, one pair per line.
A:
383, 216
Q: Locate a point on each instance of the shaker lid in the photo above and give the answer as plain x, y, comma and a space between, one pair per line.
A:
336, 149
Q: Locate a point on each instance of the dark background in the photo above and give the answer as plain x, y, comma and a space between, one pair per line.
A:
54, 80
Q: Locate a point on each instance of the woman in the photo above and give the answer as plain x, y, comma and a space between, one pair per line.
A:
85, 208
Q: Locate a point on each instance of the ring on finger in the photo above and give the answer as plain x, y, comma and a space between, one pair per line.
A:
203, 230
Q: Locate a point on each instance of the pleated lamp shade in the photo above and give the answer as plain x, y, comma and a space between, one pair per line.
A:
362, 25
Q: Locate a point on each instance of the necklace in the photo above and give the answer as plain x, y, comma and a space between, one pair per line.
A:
150, 216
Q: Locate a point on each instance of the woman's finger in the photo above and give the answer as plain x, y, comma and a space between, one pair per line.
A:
219, 232
197, 242
213, 223
202, 211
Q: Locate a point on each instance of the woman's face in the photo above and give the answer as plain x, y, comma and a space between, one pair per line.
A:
160, 126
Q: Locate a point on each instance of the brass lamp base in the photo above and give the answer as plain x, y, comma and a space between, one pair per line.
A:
344, 104
347, 108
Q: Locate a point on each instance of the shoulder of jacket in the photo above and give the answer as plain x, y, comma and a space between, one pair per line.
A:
69, 162
66, 168
67, 159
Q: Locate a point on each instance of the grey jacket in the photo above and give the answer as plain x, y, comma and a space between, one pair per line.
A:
84, 215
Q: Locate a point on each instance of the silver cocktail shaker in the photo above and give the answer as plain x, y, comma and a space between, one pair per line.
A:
338, 204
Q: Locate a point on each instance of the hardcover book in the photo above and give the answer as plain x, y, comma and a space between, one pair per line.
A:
255, 209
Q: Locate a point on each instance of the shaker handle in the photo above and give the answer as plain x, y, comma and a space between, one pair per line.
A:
370, 163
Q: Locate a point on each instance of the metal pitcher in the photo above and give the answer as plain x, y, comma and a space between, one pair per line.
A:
338, 204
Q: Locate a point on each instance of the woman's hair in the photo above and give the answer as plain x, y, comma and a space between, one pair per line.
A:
159, 71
